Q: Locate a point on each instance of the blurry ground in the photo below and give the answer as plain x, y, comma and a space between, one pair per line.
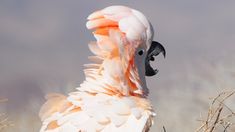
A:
43, 45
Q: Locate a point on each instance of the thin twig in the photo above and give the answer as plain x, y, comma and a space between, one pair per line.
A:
164, 129
226, 127
214, 115
217, 119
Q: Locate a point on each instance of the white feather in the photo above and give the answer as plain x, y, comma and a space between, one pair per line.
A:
111, 10
104, 101
95, 48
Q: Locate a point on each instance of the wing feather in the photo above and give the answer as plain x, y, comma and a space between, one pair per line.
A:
55, 102
99, 112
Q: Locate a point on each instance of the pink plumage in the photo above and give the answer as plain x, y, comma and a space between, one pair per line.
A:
113, 96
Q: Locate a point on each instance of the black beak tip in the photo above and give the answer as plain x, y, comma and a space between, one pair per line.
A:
151, 73
164, 52
155, 49
159, 48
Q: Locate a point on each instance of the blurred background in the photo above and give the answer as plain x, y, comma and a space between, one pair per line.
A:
43, 46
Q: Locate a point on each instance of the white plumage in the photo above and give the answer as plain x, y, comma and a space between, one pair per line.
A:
113, 96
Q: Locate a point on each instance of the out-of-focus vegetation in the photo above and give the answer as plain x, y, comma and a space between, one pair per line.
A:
220, 117
4, 121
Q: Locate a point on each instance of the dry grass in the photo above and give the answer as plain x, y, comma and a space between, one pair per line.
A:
4, 122
219, 117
